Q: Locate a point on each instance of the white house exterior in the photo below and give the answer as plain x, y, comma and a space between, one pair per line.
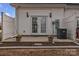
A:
8, 27
35, 20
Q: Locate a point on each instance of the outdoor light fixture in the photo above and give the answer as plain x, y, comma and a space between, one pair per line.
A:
50, 15
27, 14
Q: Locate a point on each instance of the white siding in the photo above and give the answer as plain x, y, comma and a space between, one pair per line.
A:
8, 27
58, 13
67, 19
70, 22
25, 22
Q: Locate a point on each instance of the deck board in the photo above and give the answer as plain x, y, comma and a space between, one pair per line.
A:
38, 44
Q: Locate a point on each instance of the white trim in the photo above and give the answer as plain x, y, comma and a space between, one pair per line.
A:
43, 5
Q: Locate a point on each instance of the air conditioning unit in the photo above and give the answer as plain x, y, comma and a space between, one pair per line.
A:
61, 33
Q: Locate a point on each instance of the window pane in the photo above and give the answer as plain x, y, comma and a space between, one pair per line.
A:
34, 24
43, 25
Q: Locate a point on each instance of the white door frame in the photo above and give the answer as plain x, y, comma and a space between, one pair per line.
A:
39, 25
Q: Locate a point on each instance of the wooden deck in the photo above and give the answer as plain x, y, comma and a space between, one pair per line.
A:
37, 44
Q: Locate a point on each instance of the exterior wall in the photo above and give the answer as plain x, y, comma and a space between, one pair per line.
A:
57, 13
70, 22
8, 27
25, 22
71, 28
67, 17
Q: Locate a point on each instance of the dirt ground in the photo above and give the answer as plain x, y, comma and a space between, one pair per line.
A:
39, 52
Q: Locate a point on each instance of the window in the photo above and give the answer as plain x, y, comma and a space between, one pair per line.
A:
34, 25
57, 23
43, 25
39, 24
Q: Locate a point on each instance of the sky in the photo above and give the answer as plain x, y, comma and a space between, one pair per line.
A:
8, 9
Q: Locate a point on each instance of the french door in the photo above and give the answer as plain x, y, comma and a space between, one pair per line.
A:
39, 25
